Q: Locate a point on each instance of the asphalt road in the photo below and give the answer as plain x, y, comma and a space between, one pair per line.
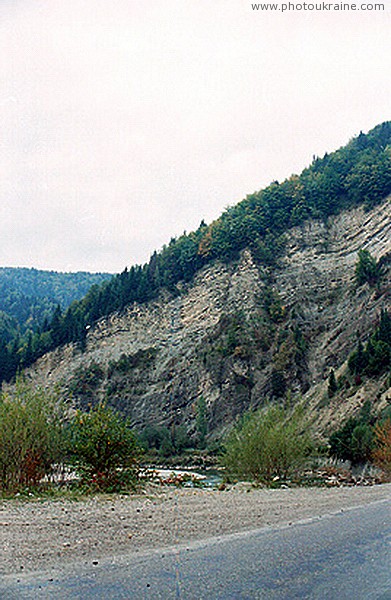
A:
346, 555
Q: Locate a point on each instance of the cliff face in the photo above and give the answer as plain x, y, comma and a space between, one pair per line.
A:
240, 334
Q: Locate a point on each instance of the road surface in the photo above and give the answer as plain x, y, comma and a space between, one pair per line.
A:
340, 556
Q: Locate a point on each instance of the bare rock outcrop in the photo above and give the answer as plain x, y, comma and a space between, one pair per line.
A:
239, 334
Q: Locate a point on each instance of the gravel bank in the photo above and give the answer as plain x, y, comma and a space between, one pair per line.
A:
38, 535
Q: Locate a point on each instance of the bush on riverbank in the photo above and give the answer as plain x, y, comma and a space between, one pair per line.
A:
103, 449
266, 445
31, 436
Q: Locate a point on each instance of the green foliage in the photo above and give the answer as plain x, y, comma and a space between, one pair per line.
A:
31, 317
31, 436
358, 360
85, 381
273, 305
367, 269
157, 439
236, 336
267, 444
8, 327
29, 296
375, 358
127, 362
163, 441
103, 449
20, 288
300, 345
361, 443
354, 440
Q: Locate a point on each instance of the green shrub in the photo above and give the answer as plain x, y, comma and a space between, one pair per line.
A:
375, 358
103, 449
163, 441
267, 444
127, 362
31, 436
354, 440
86, 379
367, 269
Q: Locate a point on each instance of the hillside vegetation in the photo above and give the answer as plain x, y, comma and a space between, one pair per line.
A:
28, 301
359, 173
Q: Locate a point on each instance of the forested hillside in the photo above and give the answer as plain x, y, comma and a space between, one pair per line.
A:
29, 298
359, 173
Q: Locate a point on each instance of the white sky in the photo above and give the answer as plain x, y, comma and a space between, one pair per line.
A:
125, 122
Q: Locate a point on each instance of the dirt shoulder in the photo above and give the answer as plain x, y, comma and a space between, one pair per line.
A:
38, 535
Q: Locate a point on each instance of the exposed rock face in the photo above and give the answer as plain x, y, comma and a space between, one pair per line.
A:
239, 334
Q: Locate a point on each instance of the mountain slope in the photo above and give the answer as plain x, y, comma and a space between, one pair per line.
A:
260, 305
357, 174
240, 334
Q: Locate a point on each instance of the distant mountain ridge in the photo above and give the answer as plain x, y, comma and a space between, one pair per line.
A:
29, 297
61, 287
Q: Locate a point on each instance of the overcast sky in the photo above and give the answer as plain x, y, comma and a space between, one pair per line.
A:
125, 122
